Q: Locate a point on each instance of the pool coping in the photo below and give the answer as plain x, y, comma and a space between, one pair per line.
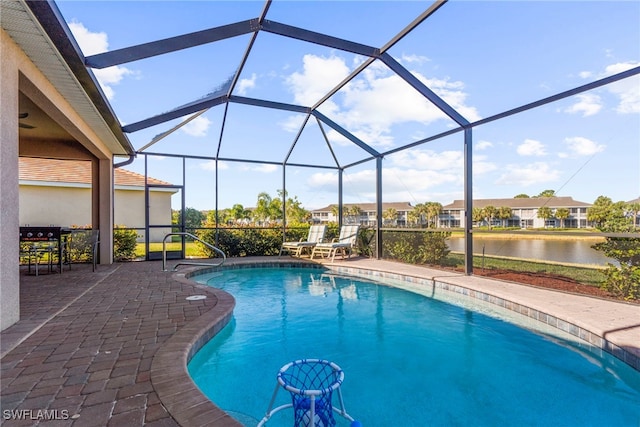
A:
187, 404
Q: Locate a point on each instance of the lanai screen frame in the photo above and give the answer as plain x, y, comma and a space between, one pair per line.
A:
225, 96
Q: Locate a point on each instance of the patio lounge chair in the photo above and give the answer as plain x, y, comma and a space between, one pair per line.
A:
345, 243
316, 235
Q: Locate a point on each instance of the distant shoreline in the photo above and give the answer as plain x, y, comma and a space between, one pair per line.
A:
534, 235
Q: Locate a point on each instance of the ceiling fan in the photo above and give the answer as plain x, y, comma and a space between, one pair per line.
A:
24, 125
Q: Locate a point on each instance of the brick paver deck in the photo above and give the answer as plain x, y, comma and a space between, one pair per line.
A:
85, 345
110, 348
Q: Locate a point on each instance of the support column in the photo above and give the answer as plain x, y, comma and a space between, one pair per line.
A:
102, 207
340, 172
468, 202
378, 207
9, 192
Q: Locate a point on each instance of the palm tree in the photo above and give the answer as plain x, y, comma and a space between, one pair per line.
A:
504, 213
600, 210
562, 214
432, 211
413, 216
490, 213
547, 193
419, 212
390, 215
477, 215
545, 212
335, 211
355, 212
262, 211
634, 210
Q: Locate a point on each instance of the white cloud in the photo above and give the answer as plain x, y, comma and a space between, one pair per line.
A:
527, 175
414, 175
211, 165
197, 127
531, 147
428, 160
245, 84
579, 146
413, 59
588, 104
585, 74
94, 43
378, 99
264, 168
628, 90
482, 145
398, 183
318, 76
481, 166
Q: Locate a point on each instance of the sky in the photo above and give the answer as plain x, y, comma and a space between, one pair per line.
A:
481, 58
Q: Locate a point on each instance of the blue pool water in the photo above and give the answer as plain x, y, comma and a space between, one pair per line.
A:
409, 360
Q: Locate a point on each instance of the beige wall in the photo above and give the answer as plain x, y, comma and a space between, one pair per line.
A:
57, 206
129, 211
71, 206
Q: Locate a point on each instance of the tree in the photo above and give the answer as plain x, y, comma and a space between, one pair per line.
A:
335, 210
295, 212
262, 210
622, 279
354, 213
193, 218
432, 211
489, 212
545, 213
477, 215
420, 212
562, 214
413, 216
268, 208
390, 215
521, 196
504, 213
600, 211
238, 213
633, 210
547, 193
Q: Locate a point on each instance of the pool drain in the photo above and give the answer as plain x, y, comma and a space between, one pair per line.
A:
196, 297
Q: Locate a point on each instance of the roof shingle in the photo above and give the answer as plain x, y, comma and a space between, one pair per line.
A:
74, 172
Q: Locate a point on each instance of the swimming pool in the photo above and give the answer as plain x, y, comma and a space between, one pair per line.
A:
408, 359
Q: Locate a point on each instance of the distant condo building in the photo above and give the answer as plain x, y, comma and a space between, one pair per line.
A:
524, 213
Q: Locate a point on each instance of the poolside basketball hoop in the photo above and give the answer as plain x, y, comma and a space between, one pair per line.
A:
311, 383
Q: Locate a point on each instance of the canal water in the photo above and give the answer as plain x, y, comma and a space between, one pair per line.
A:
572, 251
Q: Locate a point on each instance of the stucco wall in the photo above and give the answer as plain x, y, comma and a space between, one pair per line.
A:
9, 236
56, 206
129, 211
71, 206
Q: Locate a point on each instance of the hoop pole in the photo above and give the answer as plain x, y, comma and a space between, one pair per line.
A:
313, 410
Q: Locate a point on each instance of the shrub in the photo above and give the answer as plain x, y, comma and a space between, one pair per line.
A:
80, 247
416, 247
124, 243
623, 280
243, 241
366, 242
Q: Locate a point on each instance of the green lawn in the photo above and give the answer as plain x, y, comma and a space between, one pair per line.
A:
586, 275
192, 249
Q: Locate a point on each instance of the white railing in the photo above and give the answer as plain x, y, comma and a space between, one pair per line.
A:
175, 267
